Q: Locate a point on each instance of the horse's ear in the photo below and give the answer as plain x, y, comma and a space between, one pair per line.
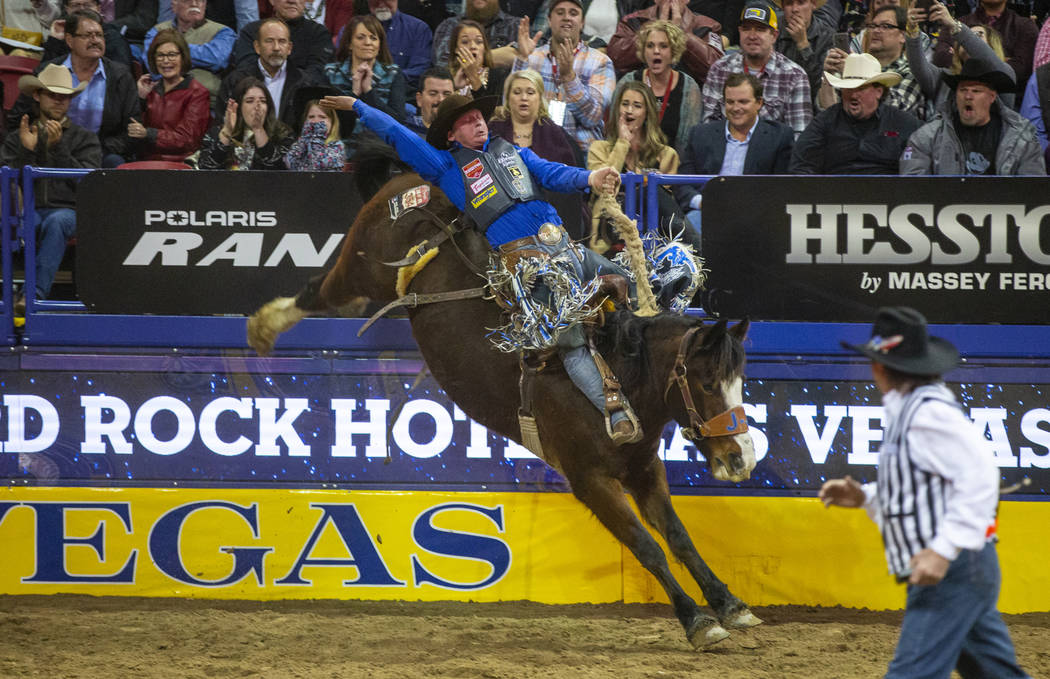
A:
739, 330
714, 335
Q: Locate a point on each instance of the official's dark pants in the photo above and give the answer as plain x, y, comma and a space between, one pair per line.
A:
955, 625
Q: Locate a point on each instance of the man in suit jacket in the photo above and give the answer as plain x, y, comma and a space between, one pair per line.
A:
742, 144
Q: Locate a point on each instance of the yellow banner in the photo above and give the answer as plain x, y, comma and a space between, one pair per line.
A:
545, 547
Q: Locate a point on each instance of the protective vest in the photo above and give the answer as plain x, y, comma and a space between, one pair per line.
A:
494, 181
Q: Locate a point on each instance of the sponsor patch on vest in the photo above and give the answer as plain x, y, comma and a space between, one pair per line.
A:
473, 169
507, 159
483, 196
477, 186
514, 171
414, 197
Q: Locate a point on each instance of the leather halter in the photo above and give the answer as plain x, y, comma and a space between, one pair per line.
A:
728, 423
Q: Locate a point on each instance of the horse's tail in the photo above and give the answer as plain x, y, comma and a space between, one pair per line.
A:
280, 314
375, 163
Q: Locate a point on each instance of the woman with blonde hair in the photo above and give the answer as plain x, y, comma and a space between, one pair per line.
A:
635, 143
661, 45
470, 62
981, 42
523, 120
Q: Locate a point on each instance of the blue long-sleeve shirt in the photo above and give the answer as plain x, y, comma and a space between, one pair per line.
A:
1032, 109
409, 40
440, 168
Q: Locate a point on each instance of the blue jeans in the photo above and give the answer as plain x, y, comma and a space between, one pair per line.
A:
54, 228
955, 625
692, 218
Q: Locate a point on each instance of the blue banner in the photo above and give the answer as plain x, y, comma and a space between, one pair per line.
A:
371, 428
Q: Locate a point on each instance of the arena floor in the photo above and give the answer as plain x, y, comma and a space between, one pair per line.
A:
62, 637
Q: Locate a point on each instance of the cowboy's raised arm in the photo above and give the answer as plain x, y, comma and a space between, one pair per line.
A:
414, 150
565, 178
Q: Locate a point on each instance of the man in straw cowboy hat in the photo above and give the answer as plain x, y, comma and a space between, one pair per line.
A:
885, 40
860, 135
498, 185
935, 503
977, 134
49, 138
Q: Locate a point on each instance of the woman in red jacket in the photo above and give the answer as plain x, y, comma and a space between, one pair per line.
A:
177, 107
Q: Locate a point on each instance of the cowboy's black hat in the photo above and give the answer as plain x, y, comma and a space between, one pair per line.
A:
899, 340
449, 111
983, 71
304, 95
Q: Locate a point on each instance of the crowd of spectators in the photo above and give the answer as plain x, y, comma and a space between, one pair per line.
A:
753, 87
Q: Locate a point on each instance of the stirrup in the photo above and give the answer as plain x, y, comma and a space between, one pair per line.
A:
632, 418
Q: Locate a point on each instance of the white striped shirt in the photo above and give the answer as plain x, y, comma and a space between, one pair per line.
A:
938, 485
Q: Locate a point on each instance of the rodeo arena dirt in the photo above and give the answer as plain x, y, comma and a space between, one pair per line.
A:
115, 637
364, 458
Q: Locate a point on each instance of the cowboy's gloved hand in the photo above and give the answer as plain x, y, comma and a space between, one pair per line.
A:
604, 180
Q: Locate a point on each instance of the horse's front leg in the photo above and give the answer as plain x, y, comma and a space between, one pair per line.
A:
649, 487
605, 497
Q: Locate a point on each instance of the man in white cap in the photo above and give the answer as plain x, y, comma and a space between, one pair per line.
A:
49, 138
860, 135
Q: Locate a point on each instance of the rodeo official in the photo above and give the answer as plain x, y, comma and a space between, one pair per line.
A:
497, 185
935, 502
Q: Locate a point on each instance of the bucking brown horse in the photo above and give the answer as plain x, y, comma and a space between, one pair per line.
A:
671, 367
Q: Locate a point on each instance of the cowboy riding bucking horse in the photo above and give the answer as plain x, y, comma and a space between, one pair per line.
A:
497, 185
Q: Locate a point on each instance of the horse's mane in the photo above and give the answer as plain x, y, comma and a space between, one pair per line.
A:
375, 164
630, 338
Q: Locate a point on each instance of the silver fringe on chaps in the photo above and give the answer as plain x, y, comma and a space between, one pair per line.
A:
534, 324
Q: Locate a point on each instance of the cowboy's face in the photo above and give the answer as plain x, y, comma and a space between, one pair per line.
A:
89, 42
52, 106
470, 130
273, 45
430, 97
756, 40
189, 11
566, 21
861, 102
974, 100
803, 9
289, 10
742, 106
657, 52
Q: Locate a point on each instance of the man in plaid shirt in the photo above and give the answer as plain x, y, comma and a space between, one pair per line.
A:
785, 84
578, 80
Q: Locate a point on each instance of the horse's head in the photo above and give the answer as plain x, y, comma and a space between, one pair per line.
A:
704, 392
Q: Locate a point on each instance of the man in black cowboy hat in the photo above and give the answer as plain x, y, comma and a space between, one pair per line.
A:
498, 186
935, 502
977, 134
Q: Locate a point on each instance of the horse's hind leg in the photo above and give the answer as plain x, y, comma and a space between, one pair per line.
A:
606, 499
650, 491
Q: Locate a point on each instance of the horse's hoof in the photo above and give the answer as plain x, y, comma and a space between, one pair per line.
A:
707, 635
741, 620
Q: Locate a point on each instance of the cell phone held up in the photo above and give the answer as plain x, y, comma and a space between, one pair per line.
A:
841, 42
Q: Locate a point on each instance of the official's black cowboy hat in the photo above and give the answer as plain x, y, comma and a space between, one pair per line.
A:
449, 111
304, 95
899, 340
982, 71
